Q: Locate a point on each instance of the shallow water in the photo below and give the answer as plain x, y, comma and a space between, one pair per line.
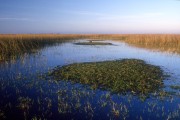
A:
27, 93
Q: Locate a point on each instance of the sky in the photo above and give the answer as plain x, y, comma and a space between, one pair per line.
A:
90, 16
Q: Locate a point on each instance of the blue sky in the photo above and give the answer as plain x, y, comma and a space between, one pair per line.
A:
90, 16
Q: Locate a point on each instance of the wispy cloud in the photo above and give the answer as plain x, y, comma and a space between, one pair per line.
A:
89, 13
104, 16
14, 19
132, 17
145, 15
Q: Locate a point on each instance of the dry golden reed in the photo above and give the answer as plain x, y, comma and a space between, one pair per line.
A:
12, 45
162, 42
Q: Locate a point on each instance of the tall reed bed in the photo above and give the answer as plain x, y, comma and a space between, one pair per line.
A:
14, 45
163, 42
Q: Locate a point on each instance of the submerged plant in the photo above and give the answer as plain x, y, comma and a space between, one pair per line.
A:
25, 103
2, 115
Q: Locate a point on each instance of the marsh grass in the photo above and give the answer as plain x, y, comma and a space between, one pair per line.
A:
127, 75
13, 45
160, 42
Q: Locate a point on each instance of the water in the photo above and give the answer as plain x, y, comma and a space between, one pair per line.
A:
27, 93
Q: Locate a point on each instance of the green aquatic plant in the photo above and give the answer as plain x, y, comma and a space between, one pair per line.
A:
93, 43
126, 75
25, 103
175, 87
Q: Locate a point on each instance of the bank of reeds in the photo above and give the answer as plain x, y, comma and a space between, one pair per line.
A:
12, 45
161, 42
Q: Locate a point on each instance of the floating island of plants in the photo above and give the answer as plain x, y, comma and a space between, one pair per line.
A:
120, 76
92, 42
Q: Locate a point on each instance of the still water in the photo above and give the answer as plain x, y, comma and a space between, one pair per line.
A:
26, 92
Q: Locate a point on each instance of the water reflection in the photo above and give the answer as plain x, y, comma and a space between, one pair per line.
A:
27, 93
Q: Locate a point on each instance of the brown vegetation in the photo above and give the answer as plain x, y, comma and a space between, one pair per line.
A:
161, 42
12, 45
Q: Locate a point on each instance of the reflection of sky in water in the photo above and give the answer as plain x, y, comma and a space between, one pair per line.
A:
71, 53
33, 66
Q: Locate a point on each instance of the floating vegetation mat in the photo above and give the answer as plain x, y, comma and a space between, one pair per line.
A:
126, 75
93, 43
175, 87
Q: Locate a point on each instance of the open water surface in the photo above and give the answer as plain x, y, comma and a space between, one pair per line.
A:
26, 92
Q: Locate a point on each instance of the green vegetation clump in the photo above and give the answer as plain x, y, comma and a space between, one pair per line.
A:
126, 75
93, 43
175, 87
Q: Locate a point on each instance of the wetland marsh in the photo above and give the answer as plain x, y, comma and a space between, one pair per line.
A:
126, 75
29, 91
